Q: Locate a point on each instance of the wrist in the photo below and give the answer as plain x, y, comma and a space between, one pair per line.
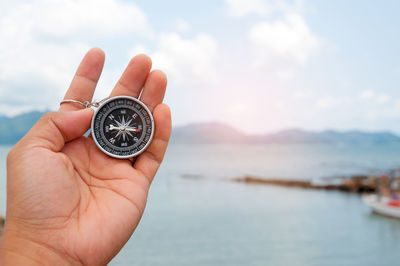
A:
18, 250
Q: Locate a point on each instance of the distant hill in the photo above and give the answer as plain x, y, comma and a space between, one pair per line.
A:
329, 136
213, 133
13, 128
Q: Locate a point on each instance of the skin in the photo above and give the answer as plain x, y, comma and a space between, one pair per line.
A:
67, 202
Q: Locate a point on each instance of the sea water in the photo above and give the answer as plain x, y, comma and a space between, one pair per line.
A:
197, 216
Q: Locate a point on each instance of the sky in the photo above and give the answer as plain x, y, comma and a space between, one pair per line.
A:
257, 65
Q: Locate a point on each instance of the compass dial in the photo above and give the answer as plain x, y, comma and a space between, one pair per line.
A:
122, 127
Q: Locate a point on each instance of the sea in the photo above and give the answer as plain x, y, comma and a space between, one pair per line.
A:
196, 215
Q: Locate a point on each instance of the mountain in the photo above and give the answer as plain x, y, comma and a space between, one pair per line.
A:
14, 128
212, 133
329, 136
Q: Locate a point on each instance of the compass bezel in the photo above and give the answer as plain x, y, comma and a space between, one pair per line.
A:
135, 100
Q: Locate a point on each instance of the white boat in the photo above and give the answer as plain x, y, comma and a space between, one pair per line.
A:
381, 205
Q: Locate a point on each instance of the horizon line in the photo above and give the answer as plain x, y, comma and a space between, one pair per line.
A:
276, 131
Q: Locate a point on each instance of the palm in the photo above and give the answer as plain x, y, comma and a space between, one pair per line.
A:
102, 199
90, 202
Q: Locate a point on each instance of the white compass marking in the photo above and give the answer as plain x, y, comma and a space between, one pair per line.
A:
124, 130
128, 123
118, 123
129, 133
118, 134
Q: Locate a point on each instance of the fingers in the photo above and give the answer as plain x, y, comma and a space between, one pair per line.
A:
154, 86
149, 161
85, 80
53, 130
154, 89
134, 77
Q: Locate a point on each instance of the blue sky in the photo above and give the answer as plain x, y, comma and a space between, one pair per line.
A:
258, 65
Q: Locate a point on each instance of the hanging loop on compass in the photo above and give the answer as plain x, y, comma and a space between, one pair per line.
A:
85, 104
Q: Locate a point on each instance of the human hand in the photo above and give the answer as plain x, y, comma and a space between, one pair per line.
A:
68, 202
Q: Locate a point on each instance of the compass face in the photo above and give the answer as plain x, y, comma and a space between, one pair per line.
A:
122, 127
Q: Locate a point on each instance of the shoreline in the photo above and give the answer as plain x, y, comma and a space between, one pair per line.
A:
354, 184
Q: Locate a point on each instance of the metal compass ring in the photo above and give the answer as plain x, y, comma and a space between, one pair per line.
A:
122, 127
85, 104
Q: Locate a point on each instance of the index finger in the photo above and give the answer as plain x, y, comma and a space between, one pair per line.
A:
85, 80
134, 77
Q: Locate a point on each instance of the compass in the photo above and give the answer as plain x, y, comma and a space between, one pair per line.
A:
122, 127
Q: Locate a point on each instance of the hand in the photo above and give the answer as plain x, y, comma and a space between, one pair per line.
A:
68, 202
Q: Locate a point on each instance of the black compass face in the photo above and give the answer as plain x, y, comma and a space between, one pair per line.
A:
122, 127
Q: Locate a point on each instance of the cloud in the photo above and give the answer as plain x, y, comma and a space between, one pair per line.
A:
43, 41
137, 49
332, 102
303, 95
240, 8
382, 99
187, 61
288, 40
84, 18
35, 75
369, 95
264, 8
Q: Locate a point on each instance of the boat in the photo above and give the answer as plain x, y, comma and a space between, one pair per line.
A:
383, 205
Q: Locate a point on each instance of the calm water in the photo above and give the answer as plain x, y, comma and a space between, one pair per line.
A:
211, 221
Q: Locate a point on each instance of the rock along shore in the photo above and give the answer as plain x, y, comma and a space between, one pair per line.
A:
356, 184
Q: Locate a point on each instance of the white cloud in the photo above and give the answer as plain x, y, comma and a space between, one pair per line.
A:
264, 8
303, 95
43, 41
187, 61
382, 99
367, 98
137, 49
35, 75
329, 102
285, 74
239, 8
65, 18
369, 95
289, 40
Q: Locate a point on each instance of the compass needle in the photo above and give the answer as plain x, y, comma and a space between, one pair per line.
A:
132, 129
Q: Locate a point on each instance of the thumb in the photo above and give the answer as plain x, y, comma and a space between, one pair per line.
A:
54, 129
